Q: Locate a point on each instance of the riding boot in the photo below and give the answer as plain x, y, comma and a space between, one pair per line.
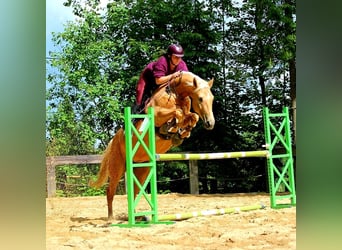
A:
136, 109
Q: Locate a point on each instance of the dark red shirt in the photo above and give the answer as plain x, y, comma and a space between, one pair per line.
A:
161, 68
147, 82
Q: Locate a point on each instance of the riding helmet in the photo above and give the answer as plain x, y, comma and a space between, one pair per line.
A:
175, 49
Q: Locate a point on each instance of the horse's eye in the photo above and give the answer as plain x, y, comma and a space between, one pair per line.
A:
200, 99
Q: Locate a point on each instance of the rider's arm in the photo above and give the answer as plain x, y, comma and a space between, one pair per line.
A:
181, 67
167, 78
160, 70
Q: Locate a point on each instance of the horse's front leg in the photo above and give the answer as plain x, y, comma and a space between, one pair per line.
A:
185, 130
189, 123
172, 124
186, 105
164, 115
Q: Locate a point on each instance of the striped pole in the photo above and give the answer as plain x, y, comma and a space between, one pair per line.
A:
184, 216
207, 156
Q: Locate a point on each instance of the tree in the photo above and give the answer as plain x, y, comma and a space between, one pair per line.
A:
103, 53
248, 47
87, 92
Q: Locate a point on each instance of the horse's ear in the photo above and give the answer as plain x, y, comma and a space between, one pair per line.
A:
210, 83
195, 83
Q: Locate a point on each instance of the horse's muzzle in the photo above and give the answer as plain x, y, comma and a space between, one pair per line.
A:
209, 124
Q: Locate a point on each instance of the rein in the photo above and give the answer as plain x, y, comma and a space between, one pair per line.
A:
173, 88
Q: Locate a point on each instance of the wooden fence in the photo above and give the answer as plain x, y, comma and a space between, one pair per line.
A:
53, 161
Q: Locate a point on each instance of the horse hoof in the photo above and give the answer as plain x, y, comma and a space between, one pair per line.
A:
110, 219
168, 127
176, 140
163, 129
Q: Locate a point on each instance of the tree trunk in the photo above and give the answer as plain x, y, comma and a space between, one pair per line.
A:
263, 91
292, 69
292, 66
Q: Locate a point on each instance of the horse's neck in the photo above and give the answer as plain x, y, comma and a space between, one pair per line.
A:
183, 92
184, 89
181, 89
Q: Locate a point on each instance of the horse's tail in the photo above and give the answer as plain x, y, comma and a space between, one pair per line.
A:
103, 173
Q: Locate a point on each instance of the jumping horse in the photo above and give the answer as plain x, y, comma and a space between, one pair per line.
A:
172, 103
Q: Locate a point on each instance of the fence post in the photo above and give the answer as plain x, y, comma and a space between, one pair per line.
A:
146, 129
279, 165
193, 174
50, 178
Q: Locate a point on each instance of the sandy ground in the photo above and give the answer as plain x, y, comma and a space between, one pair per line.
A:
81, 223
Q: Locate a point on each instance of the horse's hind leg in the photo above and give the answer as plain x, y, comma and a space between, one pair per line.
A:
111, 190
114, 179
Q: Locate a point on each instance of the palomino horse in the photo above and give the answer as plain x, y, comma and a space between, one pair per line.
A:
172, 103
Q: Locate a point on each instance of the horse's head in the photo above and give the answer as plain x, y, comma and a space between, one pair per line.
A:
202, 101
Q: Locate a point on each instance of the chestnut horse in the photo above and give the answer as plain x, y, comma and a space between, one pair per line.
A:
172, 102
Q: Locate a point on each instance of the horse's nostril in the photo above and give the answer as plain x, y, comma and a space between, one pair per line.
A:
209, 124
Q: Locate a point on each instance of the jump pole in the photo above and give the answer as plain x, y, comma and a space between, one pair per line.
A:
188, 215
211, 156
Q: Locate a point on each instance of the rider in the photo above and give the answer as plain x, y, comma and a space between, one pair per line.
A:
166, 68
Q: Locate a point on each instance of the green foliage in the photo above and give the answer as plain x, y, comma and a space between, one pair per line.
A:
173, 175
72, 181
248, 48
